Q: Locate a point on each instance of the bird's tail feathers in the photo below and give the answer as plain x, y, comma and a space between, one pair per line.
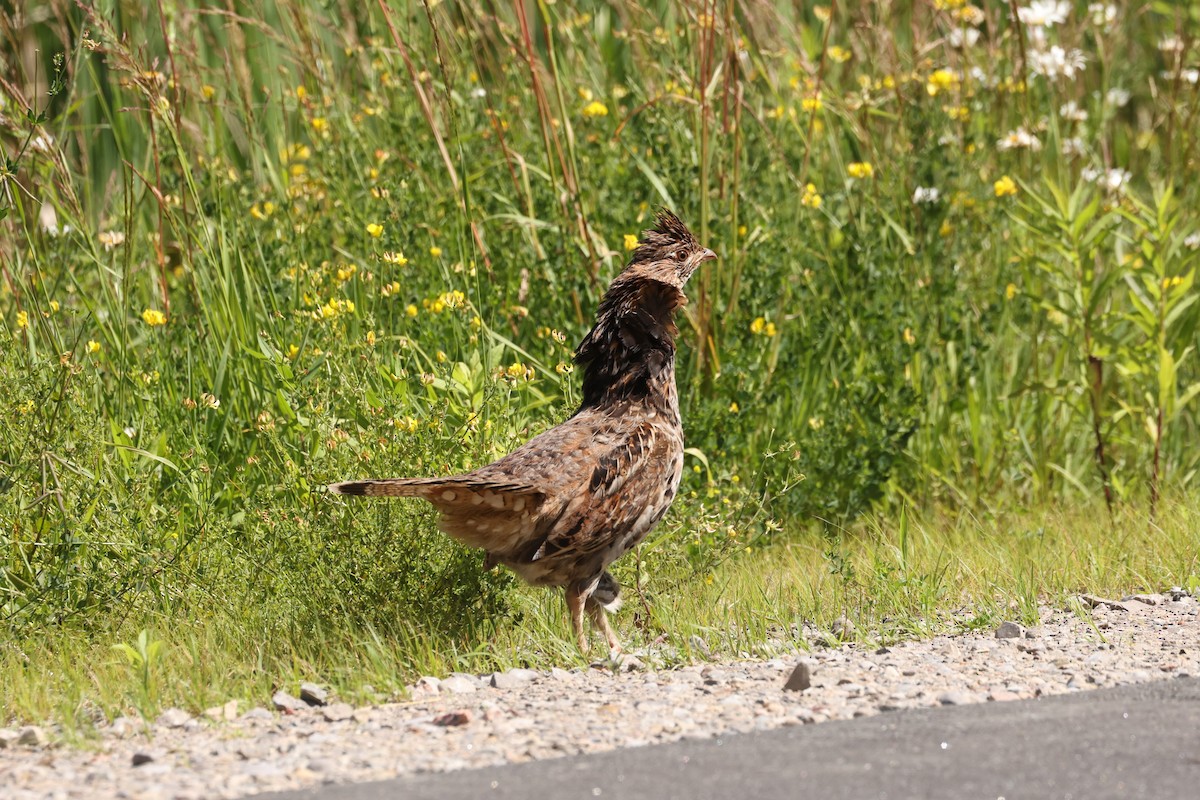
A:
388, 487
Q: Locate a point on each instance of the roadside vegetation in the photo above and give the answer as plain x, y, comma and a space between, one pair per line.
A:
945, 367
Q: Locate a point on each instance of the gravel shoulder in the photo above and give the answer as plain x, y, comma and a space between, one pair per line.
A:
472, 721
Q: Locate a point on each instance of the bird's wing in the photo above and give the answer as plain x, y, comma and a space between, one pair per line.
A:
629, 489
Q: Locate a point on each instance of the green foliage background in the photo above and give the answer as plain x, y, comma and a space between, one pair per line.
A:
375, 232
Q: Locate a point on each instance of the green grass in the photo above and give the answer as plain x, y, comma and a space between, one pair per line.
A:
314, 241
894, 579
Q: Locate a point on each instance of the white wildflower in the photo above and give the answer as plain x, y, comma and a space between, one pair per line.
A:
1111, 179
479, 93
1170, 44
1102, 13
1020, 138
1072, 112
1117, 97
1073, 146
926, 195
963, 37
43, 143
1057, 62
1192, 242
1044, 13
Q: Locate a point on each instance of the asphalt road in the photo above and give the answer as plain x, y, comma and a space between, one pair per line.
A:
1130, 742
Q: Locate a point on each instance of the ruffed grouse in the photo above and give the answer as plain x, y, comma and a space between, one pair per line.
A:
561, 508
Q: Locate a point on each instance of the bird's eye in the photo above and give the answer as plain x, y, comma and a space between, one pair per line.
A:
679, 255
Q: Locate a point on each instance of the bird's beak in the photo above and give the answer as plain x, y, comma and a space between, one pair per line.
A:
707, 255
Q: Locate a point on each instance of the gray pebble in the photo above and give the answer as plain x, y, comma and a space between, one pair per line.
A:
173, 718
458, 684
958, 698
1009, 630
287, 704
313, 694
800, 679
31, 736
513, 678
337, 712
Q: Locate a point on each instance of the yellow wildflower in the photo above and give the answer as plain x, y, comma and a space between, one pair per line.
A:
838, 54
154, 317
758, 326
813, 103
207, 92
595, 109
54, 306
733, 408
810, 199
942, 80
860, 169
320, 124
1010, 291
395, 258
263, 211
770, 330
631, 241
909, 337
1005, 187
410, 310
370, 338
22, 319
375, 229
292, 352
946, 229
93, 347
435, 251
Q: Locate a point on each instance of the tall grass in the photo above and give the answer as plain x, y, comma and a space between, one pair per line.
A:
251, 249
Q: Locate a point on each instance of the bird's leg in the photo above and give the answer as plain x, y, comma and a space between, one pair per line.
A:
600, 620
576, 599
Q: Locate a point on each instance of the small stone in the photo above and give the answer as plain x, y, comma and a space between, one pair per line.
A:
631, 663
513, 679
8, 737
313, 694
1003, 696
337, 712
427, 684
1033, 633
458, 684
288, 704
800, 679
1093, 601
122, 727
842, 627
31, 736
957, 698
1009, 630
700, 646
173, 718
1147, 599
559, 674
141, 757
453, 718
256, 714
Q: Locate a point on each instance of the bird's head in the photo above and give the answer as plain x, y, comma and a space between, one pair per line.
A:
668, 252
